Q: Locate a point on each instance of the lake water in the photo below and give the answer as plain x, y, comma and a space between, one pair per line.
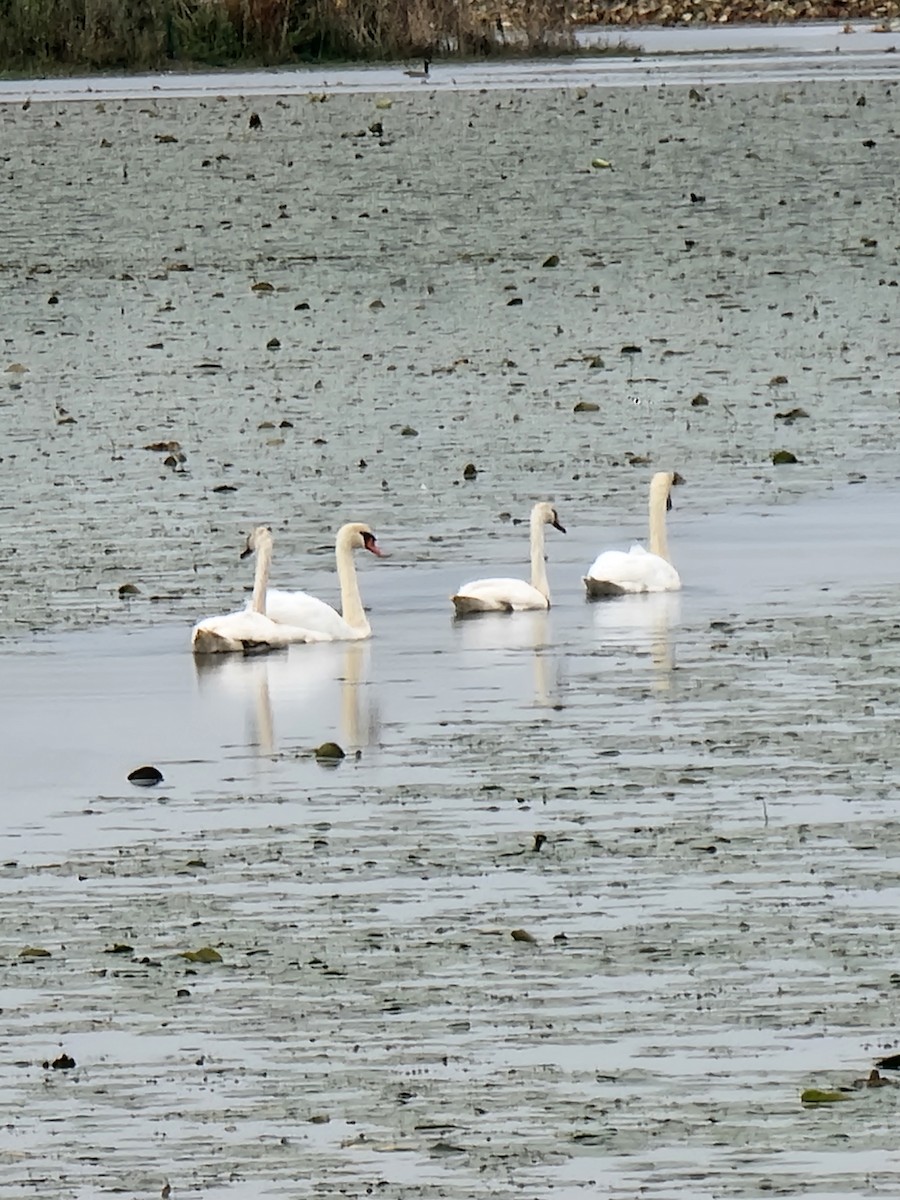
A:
710, 925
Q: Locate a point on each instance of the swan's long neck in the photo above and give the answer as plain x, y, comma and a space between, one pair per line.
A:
261, 579
538, 565
351, 602
659, 493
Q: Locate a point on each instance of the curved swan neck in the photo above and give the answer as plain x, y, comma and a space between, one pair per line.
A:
659, 494
351, 602
538, 564
261, 579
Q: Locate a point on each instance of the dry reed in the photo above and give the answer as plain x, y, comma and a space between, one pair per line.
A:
44, 35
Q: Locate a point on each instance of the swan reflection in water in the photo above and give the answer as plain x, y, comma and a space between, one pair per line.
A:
310, 695
644, 623
498, 638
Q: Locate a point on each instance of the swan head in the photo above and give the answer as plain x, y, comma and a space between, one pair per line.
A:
261, 536
546, 514
358, 536
662, 484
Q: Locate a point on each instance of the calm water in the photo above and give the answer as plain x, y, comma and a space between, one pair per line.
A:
713, 913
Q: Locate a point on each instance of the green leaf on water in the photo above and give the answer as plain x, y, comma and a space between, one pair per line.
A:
818, 1096
205, 954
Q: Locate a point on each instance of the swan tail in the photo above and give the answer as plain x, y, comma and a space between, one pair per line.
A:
598, 588
467, 605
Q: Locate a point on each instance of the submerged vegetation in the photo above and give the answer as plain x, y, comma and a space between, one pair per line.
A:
44, 35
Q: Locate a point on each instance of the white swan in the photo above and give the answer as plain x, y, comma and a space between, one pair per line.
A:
250, 629
301, 609
514, 595
618, 572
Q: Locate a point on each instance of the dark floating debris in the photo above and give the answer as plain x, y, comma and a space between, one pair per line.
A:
539, 840
329, 754
551, 261
65, 1062
129, 589
792, 415
584, 406
522, 935
470, 471
145, 776
783, 457
874, 1079
255, 122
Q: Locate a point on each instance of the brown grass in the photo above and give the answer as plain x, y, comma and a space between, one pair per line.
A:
445, 28
43, 35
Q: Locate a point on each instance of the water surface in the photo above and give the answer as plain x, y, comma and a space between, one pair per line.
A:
714, 909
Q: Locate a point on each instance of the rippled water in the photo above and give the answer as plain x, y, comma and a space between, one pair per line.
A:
713, 911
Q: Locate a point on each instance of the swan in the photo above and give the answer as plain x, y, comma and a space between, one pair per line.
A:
514, 595
618, 572
250, 629
301, 609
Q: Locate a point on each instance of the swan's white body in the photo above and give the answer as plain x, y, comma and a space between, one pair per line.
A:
514, 595
624, 572
250, 629
299, 609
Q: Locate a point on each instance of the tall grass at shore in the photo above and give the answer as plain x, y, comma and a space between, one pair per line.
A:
38, 36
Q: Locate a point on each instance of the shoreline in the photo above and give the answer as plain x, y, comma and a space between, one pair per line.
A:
615, 44
695, 57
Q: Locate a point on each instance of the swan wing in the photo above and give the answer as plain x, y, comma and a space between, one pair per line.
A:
307, 612
634, 570
498, 595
